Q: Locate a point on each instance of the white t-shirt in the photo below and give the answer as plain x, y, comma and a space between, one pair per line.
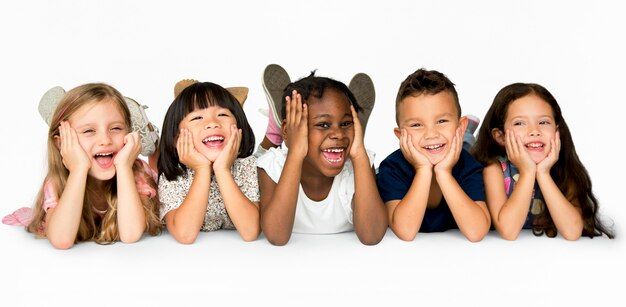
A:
331, 215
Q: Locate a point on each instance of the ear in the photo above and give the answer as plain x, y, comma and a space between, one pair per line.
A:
283, 129
397, 132
498, 135
463, 121
57, 142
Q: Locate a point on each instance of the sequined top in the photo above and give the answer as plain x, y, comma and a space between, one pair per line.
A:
173, 193
511, 175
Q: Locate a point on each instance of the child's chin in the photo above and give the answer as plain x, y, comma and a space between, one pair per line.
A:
102, 175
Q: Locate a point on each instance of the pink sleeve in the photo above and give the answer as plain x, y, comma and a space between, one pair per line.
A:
142, 186
50, 199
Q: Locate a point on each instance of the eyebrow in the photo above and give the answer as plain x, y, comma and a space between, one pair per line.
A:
325, 115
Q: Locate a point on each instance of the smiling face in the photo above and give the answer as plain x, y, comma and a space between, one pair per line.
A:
101, 129
331, 131
210, 128
431, 121
532, 119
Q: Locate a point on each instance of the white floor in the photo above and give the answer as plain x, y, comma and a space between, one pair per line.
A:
219, 268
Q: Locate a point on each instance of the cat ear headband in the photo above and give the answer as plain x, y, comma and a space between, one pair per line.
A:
148, 132
240, 93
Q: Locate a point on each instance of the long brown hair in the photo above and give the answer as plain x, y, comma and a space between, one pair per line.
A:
569, 173
105, 231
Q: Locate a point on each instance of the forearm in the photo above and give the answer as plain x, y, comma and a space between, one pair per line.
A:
188, 218
243, 212
510, 220
131, 218
566, 217
63, 221
406, 219
370, 216
277, 216
473, 221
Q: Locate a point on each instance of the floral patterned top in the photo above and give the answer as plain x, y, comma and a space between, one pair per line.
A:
173, 193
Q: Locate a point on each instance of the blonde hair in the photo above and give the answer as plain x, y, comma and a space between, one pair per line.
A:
106, 231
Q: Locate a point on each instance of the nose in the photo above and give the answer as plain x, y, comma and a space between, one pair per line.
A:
337, 132
431, 133
534, 130
104, 138
211, 124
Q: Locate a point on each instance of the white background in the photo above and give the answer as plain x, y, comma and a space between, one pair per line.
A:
575, 49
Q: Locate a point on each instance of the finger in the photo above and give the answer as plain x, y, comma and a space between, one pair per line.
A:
298, 108
305, 114
558, 142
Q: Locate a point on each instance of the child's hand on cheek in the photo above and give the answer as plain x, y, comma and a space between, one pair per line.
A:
412, 154
517, 154
74, 156
129, 153
296, 125
555, 148
358, 148
452, 157
187, 153
229, 153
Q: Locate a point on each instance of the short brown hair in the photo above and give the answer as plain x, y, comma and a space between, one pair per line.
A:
429, 82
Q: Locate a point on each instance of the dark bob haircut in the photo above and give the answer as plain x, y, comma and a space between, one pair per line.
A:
199, 95
315, 86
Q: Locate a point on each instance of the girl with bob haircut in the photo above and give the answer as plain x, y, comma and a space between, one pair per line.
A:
207, 173
533, 177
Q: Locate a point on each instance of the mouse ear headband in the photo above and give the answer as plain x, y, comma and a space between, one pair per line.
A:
148, 132
240, 93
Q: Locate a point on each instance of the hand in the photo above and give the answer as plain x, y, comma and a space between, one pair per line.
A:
229, 153
296, 125
555, 148
74, 156
358, 148
412, 154
517, 154
452, 157
129, 153
187, 153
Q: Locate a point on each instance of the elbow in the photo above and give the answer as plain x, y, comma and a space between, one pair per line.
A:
250, 236
186, 238
509, 234
572, 235
371, 241
406, 236
129, 239
278, 240
475, 236
61, 243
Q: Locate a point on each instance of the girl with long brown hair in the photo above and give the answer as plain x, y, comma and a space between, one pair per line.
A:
533, 177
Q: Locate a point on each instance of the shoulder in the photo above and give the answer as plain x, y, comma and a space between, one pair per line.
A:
467, 163
181, 180
272, 162
395, 162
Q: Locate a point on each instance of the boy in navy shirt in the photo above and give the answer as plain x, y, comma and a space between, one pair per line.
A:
431, 183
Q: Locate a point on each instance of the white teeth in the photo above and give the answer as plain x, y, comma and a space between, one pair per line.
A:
534, 145
104, 154
213, 138
433, 146
333, 150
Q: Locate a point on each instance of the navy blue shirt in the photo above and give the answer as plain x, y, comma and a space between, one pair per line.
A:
395, 175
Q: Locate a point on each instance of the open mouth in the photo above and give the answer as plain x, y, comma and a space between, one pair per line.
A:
334, 155
104, 159
535, 146
213, 141
434, 148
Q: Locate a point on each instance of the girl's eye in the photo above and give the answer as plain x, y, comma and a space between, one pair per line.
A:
89, 131
322, 125
116, 128
195, 118
223, 114
347, 124
518, 123
544, 122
